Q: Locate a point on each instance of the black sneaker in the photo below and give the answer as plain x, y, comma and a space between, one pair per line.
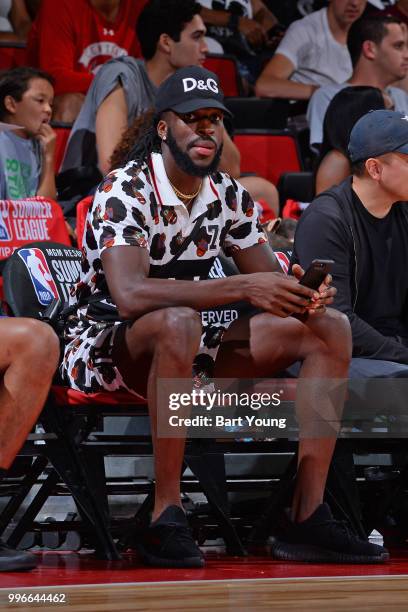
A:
321, 539
168, 542
12, 560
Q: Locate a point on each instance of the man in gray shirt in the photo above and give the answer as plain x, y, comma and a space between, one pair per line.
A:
94, 136
379, 54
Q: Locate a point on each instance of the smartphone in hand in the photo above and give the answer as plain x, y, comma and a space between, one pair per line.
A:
316, 273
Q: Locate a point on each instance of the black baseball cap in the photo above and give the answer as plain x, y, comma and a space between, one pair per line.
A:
379, 132
190, 89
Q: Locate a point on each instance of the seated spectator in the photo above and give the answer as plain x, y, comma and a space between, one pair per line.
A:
399, 10
72, 38
28, 359
379, 54
244, 28
344, 110
363, 226
15, 22
312, 53
171, 35
151, 328
27, 153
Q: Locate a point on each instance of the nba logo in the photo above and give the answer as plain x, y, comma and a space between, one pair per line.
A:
5, 233
43, 283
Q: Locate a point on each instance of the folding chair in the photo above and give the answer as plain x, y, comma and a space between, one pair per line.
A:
32, 279
35, 276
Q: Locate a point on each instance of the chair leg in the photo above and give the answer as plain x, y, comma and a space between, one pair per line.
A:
398, 486
209, 468
264, 525
33, 509
93, 464
66, 459
91, 509
15, 502
142, 515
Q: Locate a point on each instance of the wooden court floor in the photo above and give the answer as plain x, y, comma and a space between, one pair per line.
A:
314, 594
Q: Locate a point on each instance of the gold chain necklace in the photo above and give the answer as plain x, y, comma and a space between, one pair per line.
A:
185, 196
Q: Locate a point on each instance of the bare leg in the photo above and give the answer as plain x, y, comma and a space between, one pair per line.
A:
67, 107
29, 352
261, 189
315, 454
162, 344
324, 347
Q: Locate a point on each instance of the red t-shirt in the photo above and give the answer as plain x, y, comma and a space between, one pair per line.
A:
70, 40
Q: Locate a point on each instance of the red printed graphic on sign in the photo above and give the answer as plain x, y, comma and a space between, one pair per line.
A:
30, 220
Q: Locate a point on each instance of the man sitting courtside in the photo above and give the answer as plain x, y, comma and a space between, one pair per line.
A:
29, 354
363, 226
146, 326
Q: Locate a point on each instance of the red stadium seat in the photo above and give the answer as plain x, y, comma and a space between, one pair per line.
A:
62, 131
268, 153
81, 212
225, 67
12, 54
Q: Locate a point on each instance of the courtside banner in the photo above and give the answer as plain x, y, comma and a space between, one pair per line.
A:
30, 220
265, 409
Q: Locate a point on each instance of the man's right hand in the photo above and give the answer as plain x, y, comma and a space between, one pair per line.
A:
278, 294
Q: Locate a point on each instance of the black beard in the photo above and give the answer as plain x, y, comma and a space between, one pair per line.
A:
186, 164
